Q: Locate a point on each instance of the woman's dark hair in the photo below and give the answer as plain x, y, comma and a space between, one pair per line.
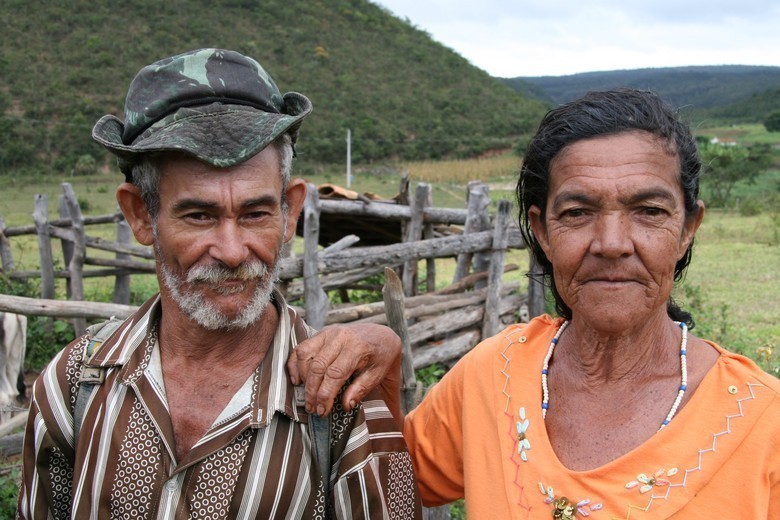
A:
598, 114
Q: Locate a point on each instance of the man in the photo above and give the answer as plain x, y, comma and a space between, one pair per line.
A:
186, 409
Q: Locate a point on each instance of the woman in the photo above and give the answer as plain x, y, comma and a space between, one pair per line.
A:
613, 410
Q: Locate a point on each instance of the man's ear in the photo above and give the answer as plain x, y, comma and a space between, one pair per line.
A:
295, 195
129, 198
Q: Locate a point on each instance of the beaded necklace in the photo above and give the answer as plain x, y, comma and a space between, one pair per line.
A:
683, 370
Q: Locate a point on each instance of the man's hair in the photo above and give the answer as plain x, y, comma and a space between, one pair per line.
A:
600, 114
146, 174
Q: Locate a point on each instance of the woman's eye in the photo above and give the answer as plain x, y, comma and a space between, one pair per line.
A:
573, 213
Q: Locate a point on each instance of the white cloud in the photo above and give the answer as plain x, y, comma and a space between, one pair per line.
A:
564, 37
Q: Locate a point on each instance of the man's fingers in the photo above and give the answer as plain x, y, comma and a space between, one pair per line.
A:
301, 357
327, 373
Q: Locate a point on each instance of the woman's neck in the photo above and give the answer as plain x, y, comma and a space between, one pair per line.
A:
598, 357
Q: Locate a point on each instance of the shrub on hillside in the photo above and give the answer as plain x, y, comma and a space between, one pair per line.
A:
772, 121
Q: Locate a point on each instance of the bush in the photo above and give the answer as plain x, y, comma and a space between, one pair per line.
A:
772, 121
750, 207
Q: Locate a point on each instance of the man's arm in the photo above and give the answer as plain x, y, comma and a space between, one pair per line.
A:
47, 468
368, 353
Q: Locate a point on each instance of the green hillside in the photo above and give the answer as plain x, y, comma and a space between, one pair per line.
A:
711, 91
753, 109
64, 64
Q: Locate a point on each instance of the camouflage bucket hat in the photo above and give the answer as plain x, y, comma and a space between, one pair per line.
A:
218, 105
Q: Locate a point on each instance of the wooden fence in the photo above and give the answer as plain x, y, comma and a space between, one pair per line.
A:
434, 325
442, 323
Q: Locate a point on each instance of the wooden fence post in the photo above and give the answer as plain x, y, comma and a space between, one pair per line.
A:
76, 264
41, 219
393, 295
6, 256
536, 301
430, 263
491, 320
477, 219
316, 299
414, 233
65, 243
122, 281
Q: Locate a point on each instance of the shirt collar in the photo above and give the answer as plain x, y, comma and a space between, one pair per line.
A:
135, 349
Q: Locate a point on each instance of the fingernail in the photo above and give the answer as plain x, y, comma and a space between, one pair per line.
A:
308, 408
320, 410
352, 404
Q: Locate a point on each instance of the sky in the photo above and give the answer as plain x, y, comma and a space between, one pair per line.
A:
510, 38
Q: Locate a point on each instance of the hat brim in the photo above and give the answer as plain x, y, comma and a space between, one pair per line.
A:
219, 134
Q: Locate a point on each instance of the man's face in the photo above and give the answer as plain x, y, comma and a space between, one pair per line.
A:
218, 235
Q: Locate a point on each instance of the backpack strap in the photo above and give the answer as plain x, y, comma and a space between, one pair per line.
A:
90, 376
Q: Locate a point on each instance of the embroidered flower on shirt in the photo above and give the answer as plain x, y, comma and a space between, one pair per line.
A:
523, 444
646, 483
565, 509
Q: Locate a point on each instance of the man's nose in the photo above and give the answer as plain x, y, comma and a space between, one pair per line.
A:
229, 244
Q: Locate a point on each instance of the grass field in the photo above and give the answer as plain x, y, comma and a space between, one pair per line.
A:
732, 286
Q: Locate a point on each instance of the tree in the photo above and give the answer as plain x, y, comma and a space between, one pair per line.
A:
726, 166
772, 121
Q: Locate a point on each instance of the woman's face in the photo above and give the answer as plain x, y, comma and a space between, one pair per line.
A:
615, 227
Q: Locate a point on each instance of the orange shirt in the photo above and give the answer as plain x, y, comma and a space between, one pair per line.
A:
718, 458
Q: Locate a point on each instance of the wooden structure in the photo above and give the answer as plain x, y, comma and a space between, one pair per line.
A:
442, 324
435, 325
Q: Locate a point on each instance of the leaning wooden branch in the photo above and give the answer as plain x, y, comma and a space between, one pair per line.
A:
63, 309
393, 294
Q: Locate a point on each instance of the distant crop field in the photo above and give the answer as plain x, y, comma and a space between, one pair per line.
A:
743, 134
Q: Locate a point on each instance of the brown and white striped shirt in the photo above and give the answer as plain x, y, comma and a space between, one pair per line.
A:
255, 461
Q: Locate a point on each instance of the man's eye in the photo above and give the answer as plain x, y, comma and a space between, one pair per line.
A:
197, 216
652, 211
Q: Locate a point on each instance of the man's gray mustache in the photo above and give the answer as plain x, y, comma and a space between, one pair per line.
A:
215, 274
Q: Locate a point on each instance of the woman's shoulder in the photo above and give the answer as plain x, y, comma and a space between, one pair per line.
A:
746, 369
532, 334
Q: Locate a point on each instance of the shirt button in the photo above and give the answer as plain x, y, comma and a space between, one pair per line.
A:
170, 486
523, 339
732, 389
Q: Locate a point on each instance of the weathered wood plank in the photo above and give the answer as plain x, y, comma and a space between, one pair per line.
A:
491, 323
41, 217
316, 299
124, 236
445, 350
63, 309
477, 204
393, 295
76, 263
396, 254
414, 233
6, 255
64, 223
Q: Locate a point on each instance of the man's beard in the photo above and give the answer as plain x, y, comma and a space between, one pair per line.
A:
204, 312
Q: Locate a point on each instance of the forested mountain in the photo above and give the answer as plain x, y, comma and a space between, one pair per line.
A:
728, 93
64, 64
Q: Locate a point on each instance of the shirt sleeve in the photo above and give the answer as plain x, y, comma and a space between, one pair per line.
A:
373, 471
434, 435
48, 453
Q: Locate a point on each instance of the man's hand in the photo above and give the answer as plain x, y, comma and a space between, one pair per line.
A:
368, 353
